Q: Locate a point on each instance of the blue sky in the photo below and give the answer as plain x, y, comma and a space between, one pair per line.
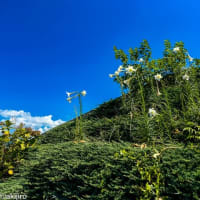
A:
48, 47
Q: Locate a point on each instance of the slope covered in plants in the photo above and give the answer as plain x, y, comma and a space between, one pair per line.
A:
143, 145
160, 100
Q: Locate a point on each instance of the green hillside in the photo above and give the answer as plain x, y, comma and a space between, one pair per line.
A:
143, 145
93, 124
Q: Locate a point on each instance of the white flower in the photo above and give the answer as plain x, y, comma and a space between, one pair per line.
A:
152, 112
111, 75
158, 77
117, 73
141, 60
186, 77
69, 99
176, 49
190, 58
68, 94
83, 92
120, 68
130, 69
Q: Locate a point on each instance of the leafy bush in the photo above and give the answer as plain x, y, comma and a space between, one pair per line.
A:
13, 144
13, 185
111, 171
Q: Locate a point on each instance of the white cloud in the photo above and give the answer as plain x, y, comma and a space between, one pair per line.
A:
42, 123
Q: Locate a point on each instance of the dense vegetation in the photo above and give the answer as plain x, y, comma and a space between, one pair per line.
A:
13, 145
143, 145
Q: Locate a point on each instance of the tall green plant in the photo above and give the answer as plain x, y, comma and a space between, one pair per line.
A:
166, 87
79, 135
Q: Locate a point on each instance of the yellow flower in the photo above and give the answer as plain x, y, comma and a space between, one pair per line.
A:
6, 133
27, 135
22, 146
10, 172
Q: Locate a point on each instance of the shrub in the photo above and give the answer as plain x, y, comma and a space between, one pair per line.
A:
110, 171
13, 145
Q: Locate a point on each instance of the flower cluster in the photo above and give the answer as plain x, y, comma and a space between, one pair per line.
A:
176, 49
128, 70
75, 94
131, 69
